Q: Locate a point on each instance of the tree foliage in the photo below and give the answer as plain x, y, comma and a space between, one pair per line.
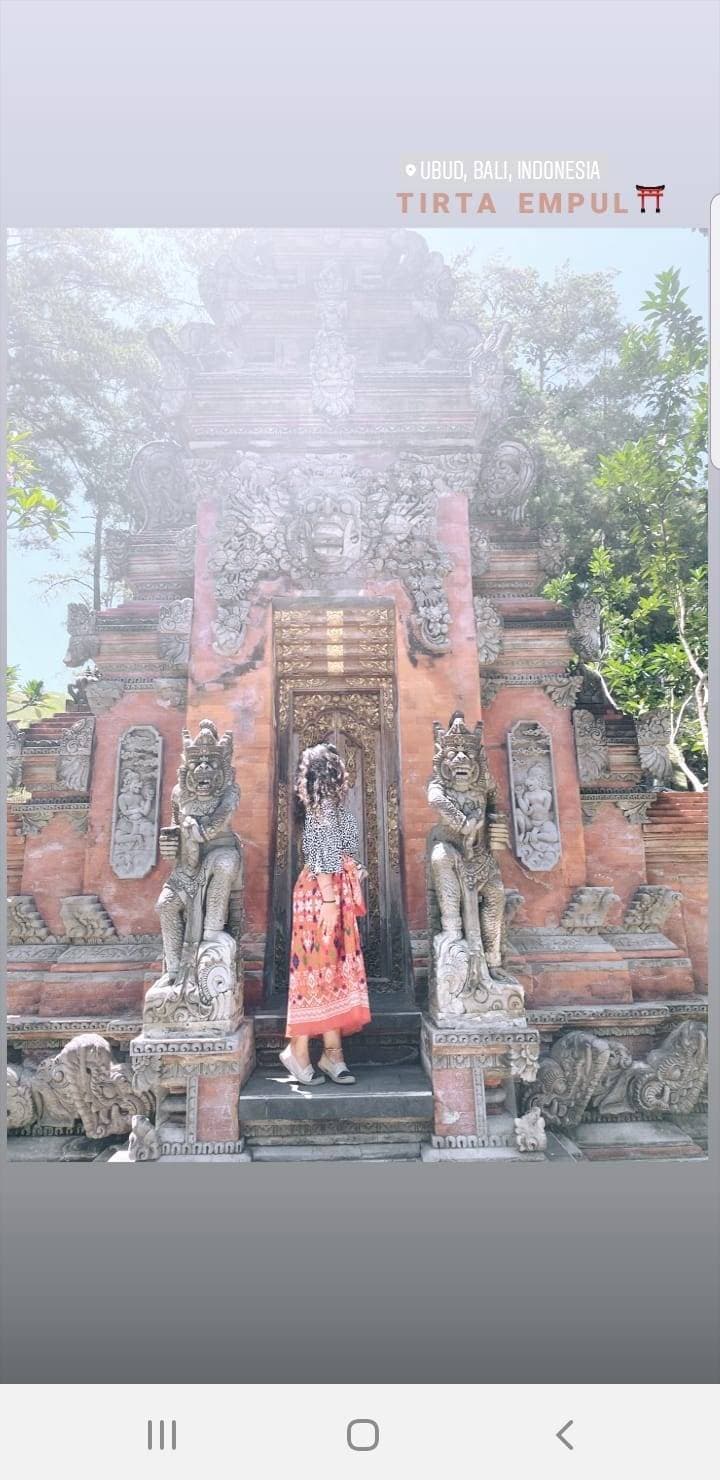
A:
35, 516
619, 415
28, 699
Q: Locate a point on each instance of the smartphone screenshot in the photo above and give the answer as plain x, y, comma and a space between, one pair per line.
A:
361, 945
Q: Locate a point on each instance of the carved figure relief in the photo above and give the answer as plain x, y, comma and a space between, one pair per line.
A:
469, 976
73, 769
323, 517
133, 846
489, 629
591, 746
200, 987
533, 794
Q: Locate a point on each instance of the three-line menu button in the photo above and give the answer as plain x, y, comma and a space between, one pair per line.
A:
166, 1436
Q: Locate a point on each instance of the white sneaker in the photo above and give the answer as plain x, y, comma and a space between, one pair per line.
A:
297, 1071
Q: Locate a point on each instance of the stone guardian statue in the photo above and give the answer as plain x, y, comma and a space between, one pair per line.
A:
468, 976
199, 989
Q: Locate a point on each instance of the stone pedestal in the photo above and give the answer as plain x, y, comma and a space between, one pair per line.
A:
473, 1070
196, 1082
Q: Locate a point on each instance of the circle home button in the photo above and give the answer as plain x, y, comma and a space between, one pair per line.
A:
363, 1434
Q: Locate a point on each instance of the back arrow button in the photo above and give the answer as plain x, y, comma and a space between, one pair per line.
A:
562, 1432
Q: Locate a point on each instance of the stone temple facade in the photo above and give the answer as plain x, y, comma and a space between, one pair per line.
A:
336, 539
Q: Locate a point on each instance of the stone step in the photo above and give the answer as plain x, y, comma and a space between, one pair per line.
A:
388, 1106
392, 1093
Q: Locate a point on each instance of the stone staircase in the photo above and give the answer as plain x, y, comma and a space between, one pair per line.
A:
385, 1116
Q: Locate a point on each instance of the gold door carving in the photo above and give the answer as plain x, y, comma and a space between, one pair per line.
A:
335, 681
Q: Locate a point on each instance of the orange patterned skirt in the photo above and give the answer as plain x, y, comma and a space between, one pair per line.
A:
328, 986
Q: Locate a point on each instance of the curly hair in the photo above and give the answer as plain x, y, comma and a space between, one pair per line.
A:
321, 775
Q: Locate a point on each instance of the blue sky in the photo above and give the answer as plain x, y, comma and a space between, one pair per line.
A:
36, 625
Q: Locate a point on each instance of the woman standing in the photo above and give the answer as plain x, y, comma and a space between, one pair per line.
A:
328, 992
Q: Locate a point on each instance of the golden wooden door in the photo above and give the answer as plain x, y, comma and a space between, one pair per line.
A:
335, 681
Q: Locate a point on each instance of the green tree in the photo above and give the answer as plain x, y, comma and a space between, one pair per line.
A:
618, 413
79, 304
29, 699
82, 376
32, 514
643, 554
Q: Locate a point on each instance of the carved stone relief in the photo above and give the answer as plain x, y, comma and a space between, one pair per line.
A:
73, 769
83, 631
507, 482
654, 737
480, 550
489, 381
80, 1083
588, 635
144, 1143
34, 816
133, 846
103, 693
634, 805
332, 367
673, 1077
529, 1131
593, 756
174, 624
562, 688
552, 549
649, 907
533, 796
489, 629
589, 907
158, 488
584, 1074
323, 517
25, 924
85, 918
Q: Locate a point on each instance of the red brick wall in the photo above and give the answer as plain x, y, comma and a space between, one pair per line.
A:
53, 867
615, 851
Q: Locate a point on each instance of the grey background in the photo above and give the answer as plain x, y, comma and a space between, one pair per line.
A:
250, 114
